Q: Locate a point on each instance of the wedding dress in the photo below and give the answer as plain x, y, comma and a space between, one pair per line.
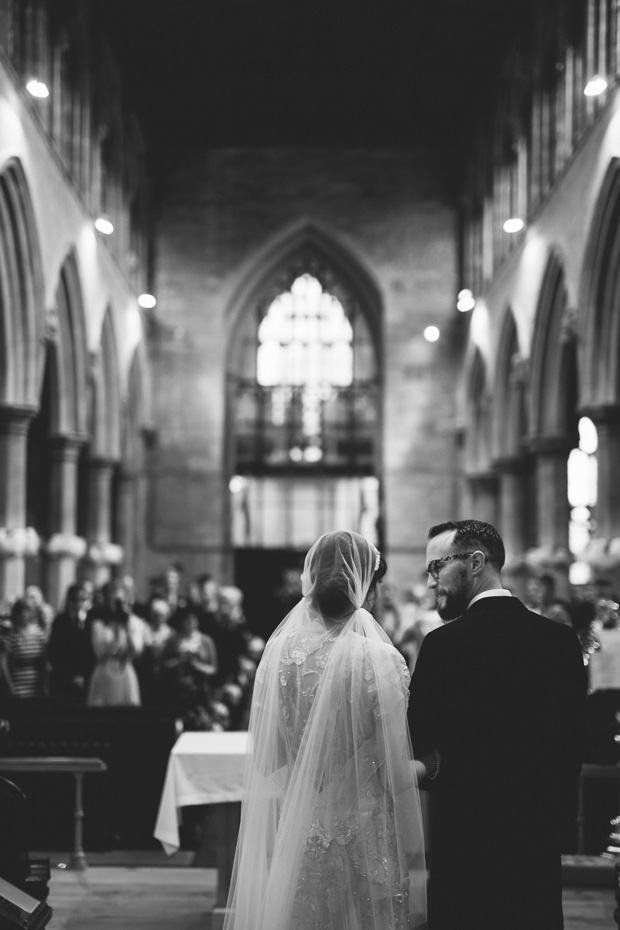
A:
331, 831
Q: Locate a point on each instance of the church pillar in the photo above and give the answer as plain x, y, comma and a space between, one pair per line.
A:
607, 421
483, 487
14, 422
127, 517
512, 518
100, 472
63, 547
552, 509
511, 504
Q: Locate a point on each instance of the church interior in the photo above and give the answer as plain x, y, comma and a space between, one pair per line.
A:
270, 269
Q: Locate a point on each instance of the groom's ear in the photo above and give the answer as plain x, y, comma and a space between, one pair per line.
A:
478, 561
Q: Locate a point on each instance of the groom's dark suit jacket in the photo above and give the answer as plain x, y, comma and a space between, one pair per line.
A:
500, 693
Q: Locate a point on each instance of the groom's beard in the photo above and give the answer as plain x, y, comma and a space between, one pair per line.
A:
452, 603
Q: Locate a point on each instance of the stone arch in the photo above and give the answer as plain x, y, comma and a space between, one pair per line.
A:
137, 415
71, 352
477, 413
303, 247
306, 245
600, 296
510, 425
553, 357
346, 475
21, 291
106, 410
130, 489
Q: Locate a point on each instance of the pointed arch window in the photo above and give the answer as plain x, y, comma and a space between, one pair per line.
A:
312, 399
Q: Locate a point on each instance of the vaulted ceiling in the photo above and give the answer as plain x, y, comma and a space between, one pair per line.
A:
310, 72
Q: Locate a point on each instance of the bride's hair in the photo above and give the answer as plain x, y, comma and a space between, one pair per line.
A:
343, 568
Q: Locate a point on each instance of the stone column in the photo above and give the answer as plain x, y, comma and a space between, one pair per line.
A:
552, 508
14, 422
483, 498
63, 553
512, 502
127, 514
100, 471
607, 421
513, 517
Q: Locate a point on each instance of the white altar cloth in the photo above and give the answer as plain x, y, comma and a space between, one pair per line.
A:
203, 768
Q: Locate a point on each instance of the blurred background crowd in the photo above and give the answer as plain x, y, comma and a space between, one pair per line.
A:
188, 649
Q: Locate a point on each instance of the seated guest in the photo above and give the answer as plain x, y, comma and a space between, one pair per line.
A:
117, 638
70, 649
23, 662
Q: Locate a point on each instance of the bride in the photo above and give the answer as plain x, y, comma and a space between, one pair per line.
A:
331, 831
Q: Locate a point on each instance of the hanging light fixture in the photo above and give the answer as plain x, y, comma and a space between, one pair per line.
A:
595, 86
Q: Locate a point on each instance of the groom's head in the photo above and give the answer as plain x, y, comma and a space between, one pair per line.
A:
463, 559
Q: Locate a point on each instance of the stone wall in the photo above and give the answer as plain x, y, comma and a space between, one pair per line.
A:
219, 214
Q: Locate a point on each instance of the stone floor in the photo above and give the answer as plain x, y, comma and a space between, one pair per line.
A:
152, 897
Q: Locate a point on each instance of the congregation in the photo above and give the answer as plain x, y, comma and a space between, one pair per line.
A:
188, 648
184, 649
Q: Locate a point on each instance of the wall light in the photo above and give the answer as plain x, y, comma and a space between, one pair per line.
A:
595, 86
104, 225
465, 301
237, 484
431, 334
514, 225
146, 301
37, 88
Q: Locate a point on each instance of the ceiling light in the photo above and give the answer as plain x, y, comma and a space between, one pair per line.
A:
104, 225
146, 301
431, 334
595, 86
514, 225
37, 88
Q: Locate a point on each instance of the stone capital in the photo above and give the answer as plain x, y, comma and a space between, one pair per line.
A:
550, 445
16, 420
602, 414
484, 480
510, 465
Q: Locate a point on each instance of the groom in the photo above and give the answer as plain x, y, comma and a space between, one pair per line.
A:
497, 698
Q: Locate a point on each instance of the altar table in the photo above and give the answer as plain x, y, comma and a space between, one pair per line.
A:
205, 768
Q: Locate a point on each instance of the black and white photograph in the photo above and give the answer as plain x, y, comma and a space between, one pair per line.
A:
309, 464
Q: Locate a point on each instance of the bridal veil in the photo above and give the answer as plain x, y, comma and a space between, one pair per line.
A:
331, 831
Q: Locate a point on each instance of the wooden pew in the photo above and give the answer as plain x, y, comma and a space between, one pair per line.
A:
78, 767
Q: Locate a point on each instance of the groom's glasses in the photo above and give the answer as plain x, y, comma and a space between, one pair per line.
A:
433, 568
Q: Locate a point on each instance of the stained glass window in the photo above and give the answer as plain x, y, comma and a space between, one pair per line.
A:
306, 390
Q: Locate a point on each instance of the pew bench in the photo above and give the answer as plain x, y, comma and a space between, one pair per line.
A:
76, 766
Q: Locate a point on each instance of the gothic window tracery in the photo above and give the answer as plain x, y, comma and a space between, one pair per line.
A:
312, 399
